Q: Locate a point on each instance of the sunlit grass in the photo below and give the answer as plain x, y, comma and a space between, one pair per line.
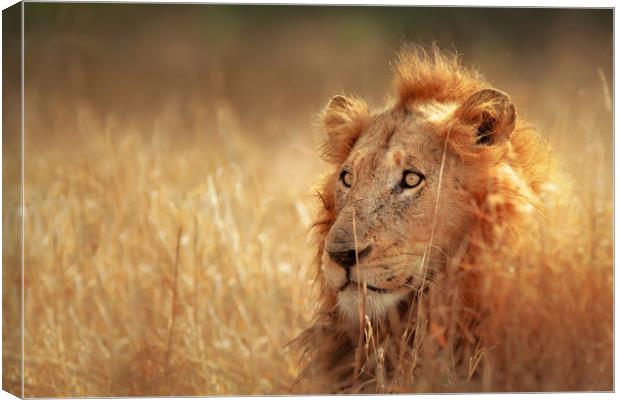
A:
155, 274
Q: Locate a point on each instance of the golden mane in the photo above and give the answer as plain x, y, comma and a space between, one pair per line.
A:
422, 74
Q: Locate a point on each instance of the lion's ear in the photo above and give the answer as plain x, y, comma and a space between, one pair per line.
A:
492, 113
344, 119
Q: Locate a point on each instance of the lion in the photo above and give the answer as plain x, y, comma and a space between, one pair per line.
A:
447, 171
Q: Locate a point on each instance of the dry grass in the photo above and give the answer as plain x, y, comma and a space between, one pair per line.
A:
166, 240
152, 268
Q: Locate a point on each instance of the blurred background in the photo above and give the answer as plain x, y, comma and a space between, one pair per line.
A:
273, 66
171, 156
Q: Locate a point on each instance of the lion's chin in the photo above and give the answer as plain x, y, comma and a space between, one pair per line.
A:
377, 303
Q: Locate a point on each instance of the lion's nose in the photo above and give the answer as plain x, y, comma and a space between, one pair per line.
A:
347, 259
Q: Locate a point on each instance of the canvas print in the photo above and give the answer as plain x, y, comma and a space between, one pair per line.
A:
216, 200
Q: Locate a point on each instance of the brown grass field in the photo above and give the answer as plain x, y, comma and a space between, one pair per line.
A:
171, 160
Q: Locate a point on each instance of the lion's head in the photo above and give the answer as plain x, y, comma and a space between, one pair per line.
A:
407, 183
445, 171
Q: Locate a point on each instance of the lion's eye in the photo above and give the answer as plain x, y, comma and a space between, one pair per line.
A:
411, 179
346, 178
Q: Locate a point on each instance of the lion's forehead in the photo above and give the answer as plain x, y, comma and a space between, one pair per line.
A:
400, 139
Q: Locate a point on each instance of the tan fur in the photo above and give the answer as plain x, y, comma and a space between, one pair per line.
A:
489, 187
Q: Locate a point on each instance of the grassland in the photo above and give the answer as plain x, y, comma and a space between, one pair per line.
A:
169, 192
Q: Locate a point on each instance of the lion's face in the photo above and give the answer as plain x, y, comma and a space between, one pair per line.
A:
388, 213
